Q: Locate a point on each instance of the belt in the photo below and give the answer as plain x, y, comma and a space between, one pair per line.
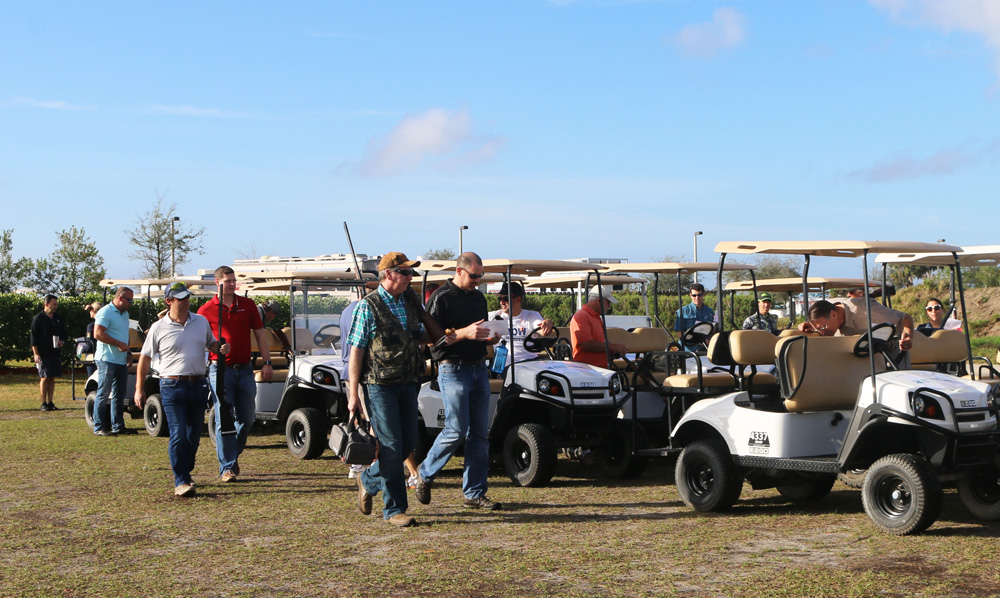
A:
187, 378
235, 366
469, 362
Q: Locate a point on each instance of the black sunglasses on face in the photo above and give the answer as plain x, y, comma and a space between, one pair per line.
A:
697, 294
406, 272
475, 276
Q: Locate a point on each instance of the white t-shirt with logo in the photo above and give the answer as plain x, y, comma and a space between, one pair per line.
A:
524, 323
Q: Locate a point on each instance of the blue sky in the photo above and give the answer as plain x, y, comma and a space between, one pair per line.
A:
553, 129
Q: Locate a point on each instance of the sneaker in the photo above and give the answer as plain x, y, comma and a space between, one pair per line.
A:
103, 433
364, 499
236, 468
184, 490
411, 482
402, 520
52, 407
228, 476
423, 490
125, 431
44, 407
481, 503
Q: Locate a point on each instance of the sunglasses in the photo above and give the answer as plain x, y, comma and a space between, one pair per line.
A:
933, 308
697, 294
474, 276
406, 272
129, 299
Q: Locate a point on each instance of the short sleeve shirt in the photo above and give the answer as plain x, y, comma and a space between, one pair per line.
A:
238, 322
181, 347
586, 326
524, 323
856, 315
115, 323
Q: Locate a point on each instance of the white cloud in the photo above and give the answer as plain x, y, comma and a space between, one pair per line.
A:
45, 105
978, 17
726, 29
905, 166
199, 112
442, 137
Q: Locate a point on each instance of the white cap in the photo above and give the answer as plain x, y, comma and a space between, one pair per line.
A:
605, 291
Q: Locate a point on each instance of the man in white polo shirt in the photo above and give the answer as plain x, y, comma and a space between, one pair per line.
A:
181, 338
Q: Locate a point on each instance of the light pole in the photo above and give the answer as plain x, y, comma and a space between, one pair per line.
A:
696, 234
173, 244
460, 229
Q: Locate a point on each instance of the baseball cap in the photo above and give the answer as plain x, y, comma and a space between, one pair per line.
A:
395, 259
271, 305
765, 297
177, 290
605, 291
518, 290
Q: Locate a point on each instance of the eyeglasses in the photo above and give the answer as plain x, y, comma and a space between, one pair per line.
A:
933, 308
697, 294
406, 272
474, 276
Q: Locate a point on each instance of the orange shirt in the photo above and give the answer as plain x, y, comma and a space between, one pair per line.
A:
586, 326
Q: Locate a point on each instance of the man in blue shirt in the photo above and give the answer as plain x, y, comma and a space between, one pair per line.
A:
113, 358
693, 312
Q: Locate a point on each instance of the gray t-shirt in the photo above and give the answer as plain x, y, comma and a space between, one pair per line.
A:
856, 317
181, 346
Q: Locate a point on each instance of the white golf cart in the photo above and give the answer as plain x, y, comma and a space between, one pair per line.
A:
542, 405
841, 404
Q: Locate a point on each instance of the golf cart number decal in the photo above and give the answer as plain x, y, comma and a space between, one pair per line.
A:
759, 443
968, 403
587, 385
440, 418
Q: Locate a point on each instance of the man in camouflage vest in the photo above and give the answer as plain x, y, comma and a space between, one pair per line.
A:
386, 360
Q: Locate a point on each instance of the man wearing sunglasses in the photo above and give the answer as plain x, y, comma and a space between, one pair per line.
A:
693, 312
113, 358
525, 320
465, 385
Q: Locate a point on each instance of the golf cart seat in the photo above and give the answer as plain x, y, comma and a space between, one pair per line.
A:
277, 375
752, 348
701, 381
639, 341
278, 357
303, 339
940, 351
135, 340
819, 373
496, 384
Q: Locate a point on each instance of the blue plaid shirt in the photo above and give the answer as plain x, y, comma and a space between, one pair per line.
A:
363, 324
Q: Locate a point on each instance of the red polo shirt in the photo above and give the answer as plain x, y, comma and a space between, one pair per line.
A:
238, 323
586, 326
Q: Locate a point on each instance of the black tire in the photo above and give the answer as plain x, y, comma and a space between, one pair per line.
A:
529, 455
305, 433
154, 418
88, 410
902, 494
616, 452
853, 478
980, 493
210, 426
706, 477
808, 490
423, 443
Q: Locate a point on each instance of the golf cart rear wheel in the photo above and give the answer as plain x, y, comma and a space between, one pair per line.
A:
616, 453
529, 455
154, 418
706, 477
810, 489
901, 494
88, 410
980, 493
304, 433
211, 426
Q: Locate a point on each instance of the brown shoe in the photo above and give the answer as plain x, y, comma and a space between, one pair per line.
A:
423, 490
184, 490
481, 503
364, 499
402, 520
228, 476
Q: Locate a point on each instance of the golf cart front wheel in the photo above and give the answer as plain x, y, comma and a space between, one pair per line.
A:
980, 493
901, 494
305, 434
154, 418
88, 410
529, 455
706, 477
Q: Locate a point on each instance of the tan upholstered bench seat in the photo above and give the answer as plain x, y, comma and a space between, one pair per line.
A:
712, 379
278, 376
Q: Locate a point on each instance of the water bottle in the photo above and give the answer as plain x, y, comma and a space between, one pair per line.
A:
499, 357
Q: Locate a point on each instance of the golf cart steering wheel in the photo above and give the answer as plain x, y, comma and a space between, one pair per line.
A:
697, 334
536, 343
880, 335
319, 337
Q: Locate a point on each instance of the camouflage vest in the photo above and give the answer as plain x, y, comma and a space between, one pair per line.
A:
394, 356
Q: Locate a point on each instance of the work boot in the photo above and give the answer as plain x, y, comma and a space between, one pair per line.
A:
423, 490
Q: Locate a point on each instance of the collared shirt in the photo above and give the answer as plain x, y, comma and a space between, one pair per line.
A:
856, 316
181, 346
115, 323
363, 324
586, 326
688, 315
524, 323
238, 322
456, 308
759, 321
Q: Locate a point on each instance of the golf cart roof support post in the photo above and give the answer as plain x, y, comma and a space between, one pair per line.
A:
957, 276
604, 315
868, 313
291, 314
805, 289
508, 280
718, 294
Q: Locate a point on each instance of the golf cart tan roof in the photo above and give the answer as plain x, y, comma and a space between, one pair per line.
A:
978, 255
302, 274
572, 281
831, 248
794, 285
135, 282
443, 277
537, 267
674, 267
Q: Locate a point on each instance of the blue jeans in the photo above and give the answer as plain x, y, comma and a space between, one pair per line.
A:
184, 403
241, 392
393, 409
465, 390
111, 381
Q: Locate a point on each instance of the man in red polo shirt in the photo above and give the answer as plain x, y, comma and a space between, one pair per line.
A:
240, 318
586, 332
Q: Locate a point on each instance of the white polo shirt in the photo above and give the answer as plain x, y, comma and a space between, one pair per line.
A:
181, 346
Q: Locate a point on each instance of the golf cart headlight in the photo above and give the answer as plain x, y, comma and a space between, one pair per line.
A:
926, 407
550, 387
918, 404
616, 385
322, 377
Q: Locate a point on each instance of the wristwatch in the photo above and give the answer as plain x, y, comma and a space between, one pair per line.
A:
268, 362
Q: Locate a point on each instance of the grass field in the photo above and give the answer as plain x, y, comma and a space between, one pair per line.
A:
91, 516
